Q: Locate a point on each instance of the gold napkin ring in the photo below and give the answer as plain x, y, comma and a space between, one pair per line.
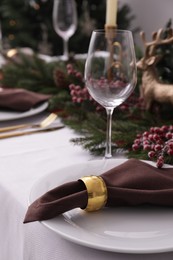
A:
97, 192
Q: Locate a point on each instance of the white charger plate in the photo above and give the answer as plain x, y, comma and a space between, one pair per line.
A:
13, 115
122, 229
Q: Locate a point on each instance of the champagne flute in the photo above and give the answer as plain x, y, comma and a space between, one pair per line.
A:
65, 21
110, 72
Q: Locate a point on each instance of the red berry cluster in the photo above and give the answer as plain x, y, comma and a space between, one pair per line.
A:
78, 91
73, 72
158, 141
133, 102
79, 94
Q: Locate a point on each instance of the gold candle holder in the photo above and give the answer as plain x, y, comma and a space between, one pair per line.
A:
110, 33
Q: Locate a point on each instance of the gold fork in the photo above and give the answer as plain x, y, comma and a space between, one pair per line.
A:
46, 122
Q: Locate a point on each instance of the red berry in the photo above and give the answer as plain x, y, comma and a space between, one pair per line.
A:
151, 154
146, 134
170, 144
159, 163
168, 135
147, 147
157, 147
171, 128
145, 142
72, 92
71, 86
170, 152
156, 130
156, 137
135, 147
150, 137
137, 141
152, 129
161, 157
164, 128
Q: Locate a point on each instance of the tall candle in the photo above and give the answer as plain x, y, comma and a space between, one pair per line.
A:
111, 12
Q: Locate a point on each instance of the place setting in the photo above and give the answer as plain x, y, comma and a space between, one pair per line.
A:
18, 103
18, 106
132, 213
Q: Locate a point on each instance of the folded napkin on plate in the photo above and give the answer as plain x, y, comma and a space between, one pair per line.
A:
130, 184
20, 99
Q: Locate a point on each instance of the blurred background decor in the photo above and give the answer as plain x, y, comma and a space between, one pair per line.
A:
64, 20
32, 26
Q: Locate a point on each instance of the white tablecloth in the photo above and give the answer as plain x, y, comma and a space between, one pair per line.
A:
23, 161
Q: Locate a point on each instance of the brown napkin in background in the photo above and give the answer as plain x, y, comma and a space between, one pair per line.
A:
129, 184
20, 99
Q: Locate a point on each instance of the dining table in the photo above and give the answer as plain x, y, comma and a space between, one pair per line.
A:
27, 160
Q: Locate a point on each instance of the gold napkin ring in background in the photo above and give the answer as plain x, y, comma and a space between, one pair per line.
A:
97, 192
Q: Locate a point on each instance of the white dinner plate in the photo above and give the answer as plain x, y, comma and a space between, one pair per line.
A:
122, 229
13, 115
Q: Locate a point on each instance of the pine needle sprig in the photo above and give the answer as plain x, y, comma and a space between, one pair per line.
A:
30, 73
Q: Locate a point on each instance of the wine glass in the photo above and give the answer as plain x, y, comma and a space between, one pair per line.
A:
65, 21
110, 72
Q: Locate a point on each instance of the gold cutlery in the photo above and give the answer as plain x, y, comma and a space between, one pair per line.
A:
21, 133
46, 122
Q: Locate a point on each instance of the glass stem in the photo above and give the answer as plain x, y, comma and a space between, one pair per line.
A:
108, 153
65, 54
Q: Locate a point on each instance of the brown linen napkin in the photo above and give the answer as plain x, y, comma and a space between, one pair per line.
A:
129, 184
20, 99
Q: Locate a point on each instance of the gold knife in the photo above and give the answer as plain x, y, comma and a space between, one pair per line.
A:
44, 123
21, 133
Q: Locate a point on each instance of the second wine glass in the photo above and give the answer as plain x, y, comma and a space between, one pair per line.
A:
110, 72
65, 21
